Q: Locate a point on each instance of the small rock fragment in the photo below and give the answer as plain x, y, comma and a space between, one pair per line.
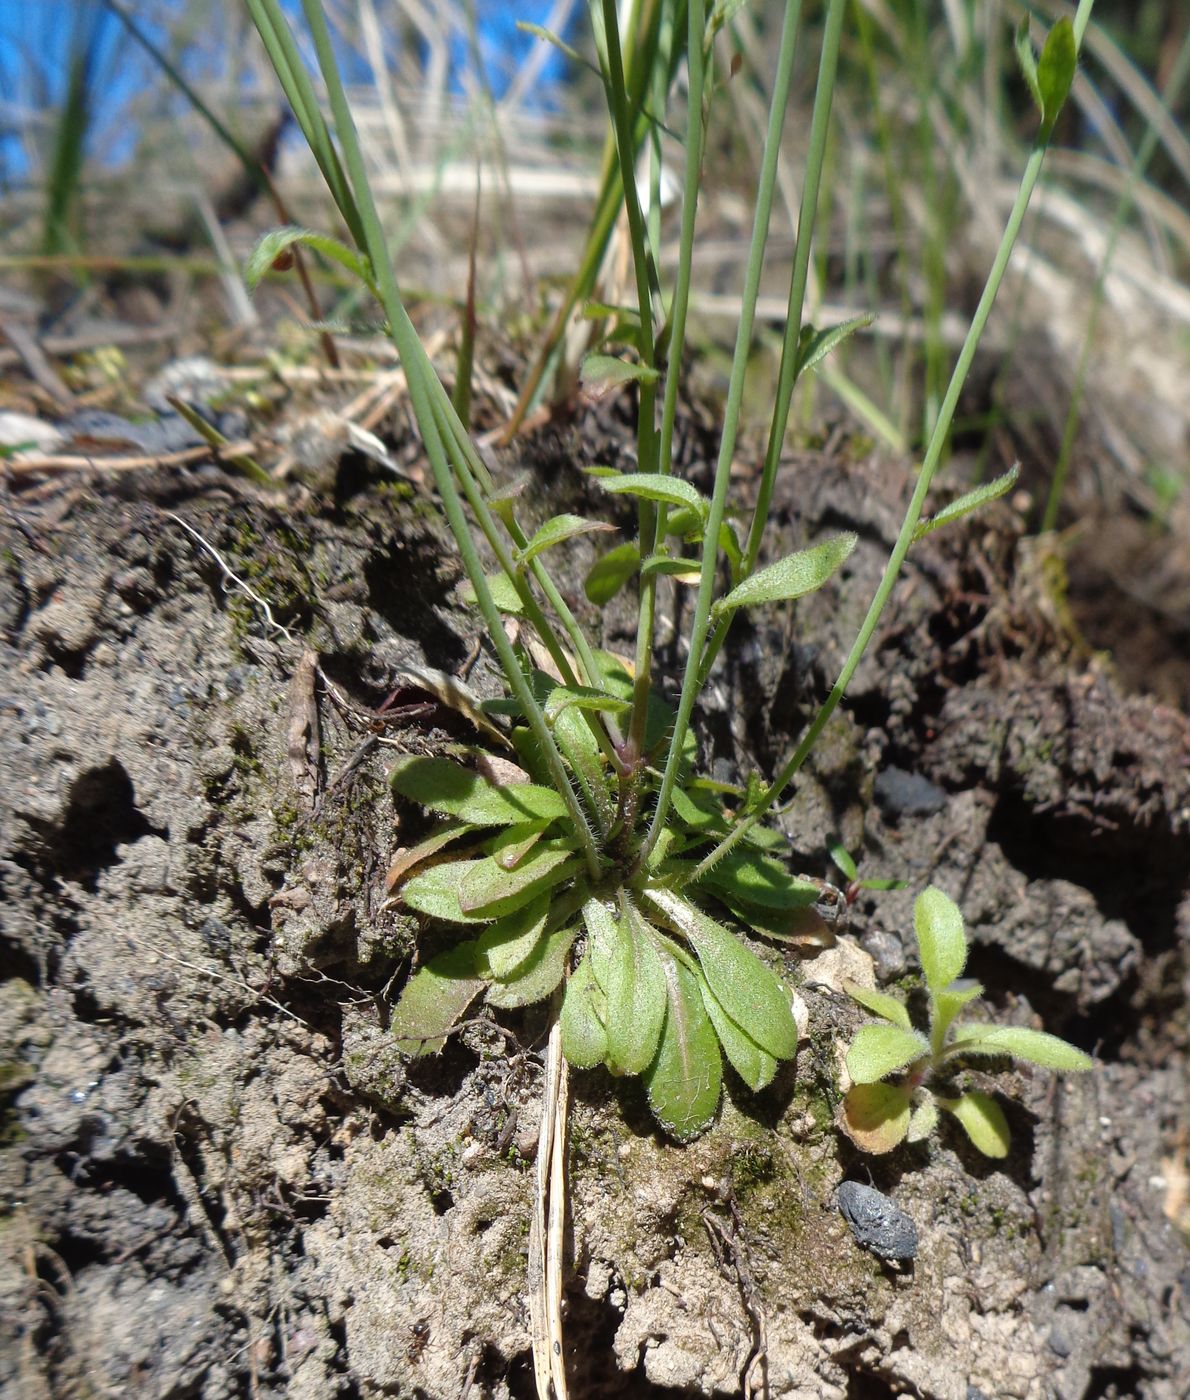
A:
877, 1223
904, 794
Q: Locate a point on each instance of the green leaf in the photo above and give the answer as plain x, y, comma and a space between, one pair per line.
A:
610, 572
876, 1116
1035, 1047
435, 998
941, 943
791, 577
581, 750
538, 976
274, 244
948, 1004
502, 589
839, 854
699, 810
489, 888
583, 1018
684, 1081
667, 564
636, 997
924, 1120
603, 310
745, 988
756, 1067
815, 345
556, 530
983, 1121
969, 501
652, 486
446, 787
609, 369
1028, 62
1055, 70
550, 37
583, 697
878, 1050
512, 844
752, 878
510, 941
880, 1004
602, 935
435, 892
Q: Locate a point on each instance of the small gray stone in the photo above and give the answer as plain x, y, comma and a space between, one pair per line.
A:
877, 1223
903, 794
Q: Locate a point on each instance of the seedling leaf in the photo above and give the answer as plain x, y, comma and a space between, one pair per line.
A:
636, 998
610, 573
684, 1081
968, 502
791, 577
876, 1116
537, 976
557, 530
948, 1004
446, 787
880, 1004
584, 1034
983, 1121
1035, 1047
878, 1050
435, 998
941, 943
839, 854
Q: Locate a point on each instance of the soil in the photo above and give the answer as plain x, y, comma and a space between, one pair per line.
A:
221, 1179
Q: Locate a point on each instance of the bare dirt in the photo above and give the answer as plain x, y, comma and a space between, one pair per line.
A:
221, 1180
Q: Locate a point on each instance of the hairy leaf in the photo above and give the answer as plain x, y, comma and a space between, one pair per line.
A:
652, 486
878, 1050
636, 997
983, 1121
923, 1121
489, 888
435, 892
969, 501
685, 1078
609, 369
753, 878
791, 577
880, 1004
601, 939
583, 1018
610, 572
407, 858
579, 746
510, 941
686, 570
555, 531
274, 244
538, 976
1035, 1047
948, 1004
583, 697
503, 592
941, 943
513, 843
435, 998
876, 1116
446, 787
756, 1067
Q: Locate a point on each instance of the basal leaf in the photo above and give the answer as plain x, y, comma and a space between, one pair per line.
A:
969, 501
582, 697
791, 577
941, 943
983, 1121
610, 369
756, 1067
878, 1050
746, 989
602, 935
636, 997
880, 1004
685, 1078
923, 1120
435, 998
435, 892
1055, 70
876, 1116
447, 787
610, 572
557, 530
752, 878
510, 941
490, 890
653, 486
1035, 1047
538, 976
273, 245
406, 859
503, 592
512, 844
583, 1018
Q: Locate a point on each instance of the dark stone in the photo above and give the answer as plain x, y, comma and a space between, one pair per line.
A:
878, 1225
903, 794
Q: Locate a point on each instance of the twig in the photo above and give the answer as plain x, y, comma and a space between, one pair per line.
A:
30, 466
546, 1230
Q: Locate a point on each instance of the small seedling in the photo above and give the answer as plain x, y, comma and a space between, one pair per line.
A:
878, 1115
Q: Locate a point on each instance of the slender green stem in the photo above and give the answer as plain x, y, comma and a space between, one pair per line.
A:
731, 414
916, 505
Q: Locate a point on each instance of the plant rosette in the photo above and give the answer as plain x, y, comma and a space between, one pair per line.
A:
879, 1113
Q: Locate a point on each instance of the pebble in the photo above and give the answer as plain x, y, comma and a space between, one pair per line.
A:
878, 1224
904, 794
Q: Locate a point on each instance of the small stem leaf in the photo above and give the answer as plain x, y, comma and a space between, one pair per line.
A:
489, 888
924, 1120
815, 345
512, 940
581, 750
664, 490
636, 997
274, 244
512, 844
686, 522
435, 998
878, 1050
435, 892
941, 943
610, 369
791, 577
697, 810
968, 502
1028, 62
446, 787
503, 592
1055, 70
685, 1079
602, 311
555, 531
947, 1005
880, 1004
983, 1121
538, 976
756, 1067
685, 570
752, 878
1035, 1047
583, 1018
583, 697
876, 1116
602, 935
841, 857
746, 989
610, 572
